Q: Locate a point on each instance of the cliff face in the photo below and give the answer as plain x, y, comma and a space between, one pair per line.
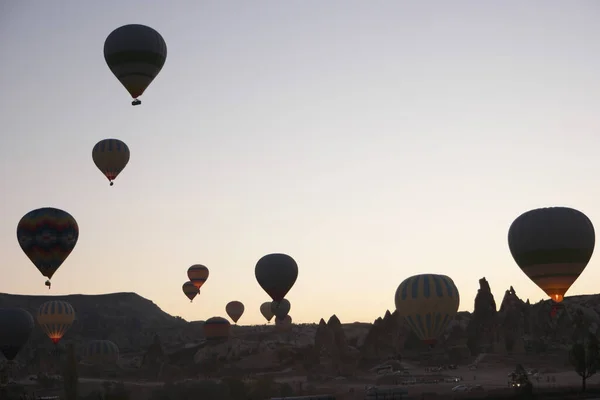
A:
331, 352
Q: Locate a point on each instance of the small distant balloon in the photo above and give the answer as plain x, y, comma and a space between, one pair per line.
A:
265, 310
235, 310
47, 236
101, 352
217, 328
281, 308
111, 157
135, 54
198, 274
283, 324
190, 290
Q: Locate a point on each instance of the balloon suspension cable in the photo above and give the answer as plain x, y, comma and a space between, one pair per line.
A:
48, 283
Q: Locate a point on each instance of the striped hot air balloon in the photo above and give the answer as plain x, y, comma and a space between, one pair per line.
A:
47, 236
101, 352
55, 317
111, 157
217, 328
552, 246
198, 274
428, 302
135, 54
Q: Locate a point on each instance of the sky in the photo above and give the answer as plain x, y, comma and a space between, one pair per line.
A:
371, 141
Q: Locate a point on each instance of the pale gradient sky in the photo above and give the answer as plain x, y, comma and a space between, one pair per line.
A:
371, 141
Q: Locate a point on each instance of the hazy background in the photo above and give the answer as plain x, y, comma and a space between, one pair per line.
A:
369, 140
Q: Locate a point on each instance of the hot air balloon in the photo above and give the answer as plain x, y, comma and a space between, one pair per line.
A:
235, 309
276, 274
47, 236
55, 317
283, 324
135, 54
265, 310
281, 308
216, 328
552, 246
101, 352
428, 303
16, 326
110, 156
198, 274
190, 290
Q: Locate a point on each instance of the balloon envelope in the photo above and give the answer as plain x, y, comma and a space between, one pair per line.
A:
283, 324
552, 246
235, 309
281, 308
428, 302
100, 352
276, 274
265, 310
216, 328
190, 290
16, 326
47, 236
55, 317
110, 156
198, 274
135, 54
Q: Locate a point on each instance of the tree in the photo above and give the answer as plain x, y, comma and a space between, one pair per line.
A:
585, 358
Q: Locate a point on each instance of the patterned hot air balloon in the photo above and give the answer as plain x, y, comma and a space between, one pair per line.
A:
265, 310
135, 54
216, 328
110, 156
198, 274
283, 324
55, 317
16, 326
552, 246
47, 236
235, 309
276, 274
101, 352
281, 308
190, 290
428, 302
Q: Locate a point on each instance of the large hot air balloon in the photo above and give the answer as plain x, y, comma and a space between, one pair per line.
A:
101, 352
265, 310
47, 236
198, 274
216, 328
190, 290
110, 156
235, 309
552, 246
428, 303
16, 326
281, 308
283, 324
55, 317
135, 54
276, 274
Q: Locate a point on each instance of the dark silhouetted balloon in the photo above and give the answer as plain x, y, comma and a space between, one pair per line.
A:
16, 326
552, 246
135, 54
276, 274
110, 156
216, 328
281, 308
235, 310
